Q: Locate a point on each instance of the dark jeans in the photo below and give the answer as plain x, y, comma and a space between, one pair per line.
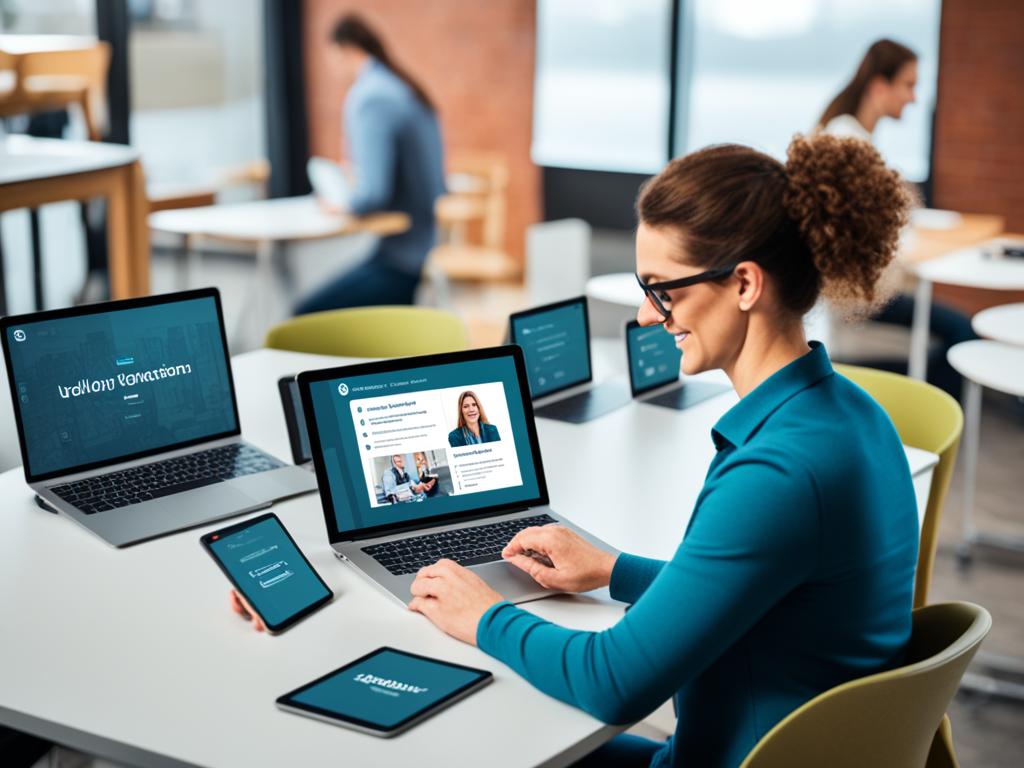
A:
624, 751
369, 284
948, 324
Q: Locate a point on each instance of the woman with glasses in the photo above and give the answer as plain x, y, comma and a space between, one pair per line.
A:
796, 571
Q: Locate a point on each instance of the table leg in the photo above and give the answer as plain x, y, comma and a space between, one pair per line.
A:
919, 331
128, 235
264, 283
972, 427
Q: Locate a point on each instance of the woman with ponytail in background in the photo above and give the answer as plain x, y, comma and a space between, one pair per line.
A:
881, 87
394, 145
795, 573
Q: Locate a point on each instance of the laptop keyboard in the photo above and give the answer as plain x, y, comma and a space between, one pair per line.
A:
163, 478
466, 546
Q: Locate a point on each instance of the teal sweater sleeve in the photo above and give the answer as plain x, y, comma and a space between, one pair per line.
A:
754, 537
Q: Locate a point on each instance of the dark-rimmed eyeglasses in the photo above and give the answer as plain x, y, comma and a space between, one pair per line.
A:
662, 301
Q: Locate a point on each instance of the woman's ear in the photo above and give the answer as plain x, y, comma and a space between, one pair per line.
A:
750, 279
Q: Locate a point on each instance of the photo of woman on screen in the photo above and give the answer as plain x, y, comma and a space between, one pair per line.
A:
473, 427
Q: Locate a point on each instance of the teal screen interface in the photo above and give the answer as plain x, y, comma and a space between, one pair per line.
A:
270, 570
418, 443
653, 357
556, 347
386, 689
113, 384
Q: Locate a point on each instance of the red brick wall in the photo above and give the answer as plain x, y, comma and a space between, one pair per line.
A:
979, 127
474, 58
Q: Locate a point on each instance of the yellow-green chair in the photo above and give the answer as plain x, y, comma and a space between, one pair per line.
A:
927, 418
371, 332
888, 720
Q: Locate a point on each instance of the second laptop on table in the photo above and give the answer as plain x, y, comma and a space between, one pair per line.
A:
556, 343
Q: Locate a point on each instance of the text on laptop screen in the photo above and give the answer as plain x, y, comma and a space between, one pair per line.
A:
556, 346
408, 445
653, 357
107, 385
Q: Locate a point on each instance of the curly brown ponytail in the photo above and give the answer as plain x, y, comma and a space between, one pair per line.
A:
849, 208
826, 222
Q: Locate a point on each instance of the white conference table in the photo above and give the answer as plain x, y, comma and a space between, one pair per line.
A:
134, 655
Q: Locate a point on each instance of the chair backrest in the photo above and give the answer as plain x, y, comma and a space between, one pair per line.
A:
888, 720
557, 260
927, 418
371, 332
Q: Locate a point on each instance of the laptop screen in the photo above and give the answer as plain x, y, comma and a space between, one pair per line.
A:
654, 357
556, 342
408, 441
110, 382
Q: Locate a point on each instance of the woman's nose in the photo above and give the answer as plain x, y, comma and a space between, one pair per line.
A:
647, 314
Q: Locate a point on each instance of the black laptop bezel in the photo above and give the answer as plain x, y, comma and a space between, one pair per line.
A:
586, 329
11, 321
630, 325
334, 535
291, 419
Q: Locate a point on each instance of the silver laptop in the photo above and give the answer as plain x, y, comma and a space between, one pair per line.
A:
556, 342
127, 417
653, 360
426, 458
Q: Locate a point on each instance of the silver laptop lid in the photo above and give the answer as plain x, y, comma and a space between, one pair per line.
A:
406, 444
556, 343
112, 382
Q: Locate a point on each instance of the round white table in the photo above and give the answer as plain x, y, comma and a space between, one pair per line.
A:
1003, 323
614, 299
980, 266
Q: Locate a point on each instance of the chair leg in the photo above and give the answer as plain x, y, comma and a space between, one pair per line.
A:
942, 754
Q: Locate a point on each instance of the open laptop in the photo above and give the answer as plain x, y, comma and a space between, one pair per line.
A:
654, 376
127, 417
376, 429
295, 421
556, 342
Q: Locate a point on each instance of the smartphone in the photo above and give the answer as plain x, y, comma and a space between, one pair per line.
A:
384, 692
263, 562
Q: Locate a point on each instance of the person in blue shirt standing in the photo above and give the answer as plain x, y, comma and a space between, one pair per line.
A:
796, 571
394, 143
473, 427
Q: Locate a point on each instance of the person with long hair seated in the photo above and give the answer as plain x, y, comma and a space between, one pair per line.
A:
473, 426
427, 475
882, 87
795, 572
394, 144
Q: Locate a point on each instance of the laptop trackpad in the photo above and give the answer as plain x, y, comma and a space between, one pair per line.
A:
513, 584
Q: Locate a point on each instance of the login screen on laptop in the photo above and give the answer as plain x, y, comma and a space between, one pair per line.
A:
115, 384
555, 342
417, 443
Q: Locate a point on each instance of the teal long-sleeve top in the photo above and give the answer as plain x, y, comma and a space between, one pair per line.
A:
795, 574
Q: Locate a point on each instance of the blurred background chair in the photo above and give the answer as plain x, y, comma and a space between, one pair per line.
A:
371, 332
471, 220
890, 720
49, 80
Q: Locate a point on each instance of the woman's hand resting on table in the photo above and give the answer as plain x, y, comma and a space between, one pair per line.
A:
241, 606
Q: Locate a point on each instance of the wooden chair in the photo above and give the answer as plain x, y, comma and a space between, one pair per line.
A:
44, 81
471, 219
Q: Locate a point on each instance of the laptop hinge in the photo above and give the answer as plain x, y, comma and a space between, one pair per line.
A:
409, 528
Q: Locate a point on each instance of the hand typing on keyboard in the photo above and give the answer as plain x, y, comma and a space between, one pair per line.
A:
572, 563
